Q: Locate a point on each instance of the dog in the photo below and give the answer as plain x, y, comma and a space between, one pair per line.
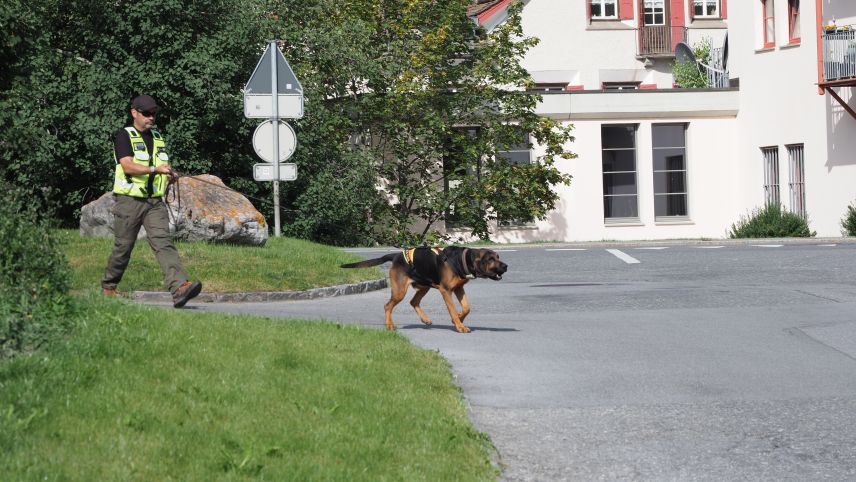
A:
447, 270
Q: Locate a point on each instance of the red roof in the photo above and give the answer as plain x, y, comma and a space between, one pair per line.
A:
480, 6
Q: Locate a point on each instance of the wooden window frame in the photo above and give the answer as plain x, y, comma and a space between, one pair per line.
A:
793, 20
602, 3
771, 21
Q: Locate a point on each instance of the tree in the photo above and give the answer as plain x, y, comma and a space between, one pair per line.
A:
421, 73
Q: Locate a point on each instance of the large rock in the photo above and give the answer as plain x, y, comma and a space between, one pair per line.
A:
202, 209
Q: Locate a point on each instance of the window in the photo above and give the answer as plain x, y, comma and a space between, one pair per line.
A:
670, 169
621, 85
619, 171
518, 154
601, 9
794, 21
706, 8
797, 179
548, 87
771, 174
458, 164
655, 12
768, 10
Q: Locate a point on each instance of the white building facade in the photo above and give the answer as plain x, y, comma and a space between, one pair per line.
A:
660, 162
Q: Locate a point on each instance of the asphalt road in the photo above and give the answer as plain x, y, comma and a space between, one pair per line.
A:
679, 362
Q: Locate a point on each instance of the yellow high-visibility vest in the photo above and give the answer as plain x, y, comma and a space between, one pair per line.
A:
137, 186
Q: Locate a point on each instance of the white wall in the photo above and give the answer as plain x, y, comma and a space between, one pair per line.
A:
780, 105
579, 215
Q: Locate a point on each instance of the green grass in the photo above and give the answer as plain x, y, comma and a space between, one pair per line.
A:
283, 264
142, 393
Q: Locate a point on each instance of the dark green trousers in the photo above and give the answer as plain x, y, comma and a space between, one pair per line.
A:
129, 214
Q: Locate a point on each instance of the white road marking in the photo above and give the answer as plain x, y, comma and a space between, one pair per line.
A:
827, 245
504, 250
768, 245
623, 256
709, 247
654, 247
565, 249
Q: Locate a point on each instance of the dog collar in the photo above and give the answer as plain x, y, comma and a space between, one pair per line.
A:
465, 264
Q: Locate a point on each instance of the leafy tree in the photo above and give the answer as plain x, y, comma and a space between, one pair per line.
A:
421, 71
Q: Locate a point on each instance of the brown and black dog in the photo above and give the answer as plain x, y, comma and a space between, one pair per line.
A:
447, 270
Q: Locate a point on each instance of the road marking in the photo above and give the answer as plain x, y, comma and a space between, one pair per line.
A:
827, 245
709, 247
768, 245
654, 247
504, 250
565, 249
623, 256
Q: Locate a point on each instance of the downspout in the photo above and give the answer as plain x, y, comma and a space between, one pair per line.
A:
819, 14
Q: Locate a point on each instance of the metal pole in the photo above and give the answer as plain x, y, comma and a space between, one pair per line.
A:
275, 122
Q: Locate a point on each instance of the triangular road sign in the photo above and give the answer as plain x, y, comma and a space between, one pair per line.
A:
286, 81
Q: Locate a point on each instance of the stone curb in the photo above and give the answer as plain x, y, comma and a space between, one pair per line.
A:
325, 292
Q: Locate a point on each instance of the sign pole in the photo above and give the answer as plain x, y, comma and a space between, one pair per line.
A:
275, 122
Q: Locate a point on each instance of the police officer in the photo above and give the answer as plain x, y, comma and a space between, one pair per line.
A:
141, 177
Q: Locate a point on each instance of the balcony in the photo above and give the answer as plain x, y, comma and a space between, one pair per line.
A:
656, 41
839, 54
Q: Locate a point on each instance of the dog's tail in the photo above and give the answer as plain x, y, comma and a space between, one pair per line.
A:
371, 262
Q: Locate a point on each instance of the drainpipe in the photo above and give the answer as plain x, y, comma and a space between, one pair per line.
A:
819, 13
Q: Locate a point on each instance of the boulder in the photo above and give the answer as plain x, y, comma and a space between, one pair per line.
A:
201, 209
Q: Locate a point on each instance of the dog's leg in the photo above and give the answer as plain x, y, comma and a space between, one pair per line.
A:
462, 299
398, 288
453, 311
417, 298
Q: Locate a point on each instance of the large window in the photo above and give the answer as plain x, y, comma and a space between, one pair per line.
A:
601, 9
768, 10
794, 21
771, 174
797, 179
706, 8
655, 12
619, 172
519, 154
458, 164
670, 170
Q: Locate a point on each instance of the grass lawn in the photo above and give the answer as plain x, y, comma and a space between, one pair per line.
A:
282, 264
144, 393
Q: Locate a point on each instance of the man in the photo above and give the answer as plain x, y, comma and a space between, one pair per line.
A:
141, 177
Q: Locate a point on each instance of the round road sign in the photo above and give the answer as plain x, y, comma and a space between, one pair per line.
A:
263, 141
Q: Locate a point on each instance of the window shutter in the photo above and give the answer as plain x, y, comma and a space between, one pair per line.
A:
625, 9
692, 11
588, 10
723, 8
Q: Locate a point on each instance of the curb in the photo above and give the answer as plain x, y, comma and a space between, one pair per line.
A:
325, 292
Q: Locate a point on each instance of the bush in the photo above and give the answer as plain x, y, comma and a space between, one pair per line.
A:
34, 275
848, 222
689, 75
771, 221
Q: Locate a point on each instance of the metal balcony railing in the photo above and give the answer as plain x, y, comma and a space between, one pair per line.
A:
659, 40
717, 75
839, 54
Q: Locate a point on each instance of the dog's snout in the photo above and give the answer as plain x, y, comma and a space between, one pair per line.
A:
502, 267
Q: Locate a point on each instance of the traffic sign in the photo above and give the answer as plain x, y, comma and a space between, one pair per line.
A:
265, 172
259, 91
263, 141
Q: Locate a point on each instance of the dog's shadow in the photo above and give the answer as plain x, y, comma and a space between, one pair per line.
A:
421, 326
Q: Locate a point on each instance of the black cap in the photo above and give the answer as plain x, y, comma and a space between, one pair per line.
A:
144, 103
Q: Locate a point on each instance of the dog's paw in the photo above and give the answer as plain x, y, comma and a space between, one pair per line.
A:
427, 321
462, 329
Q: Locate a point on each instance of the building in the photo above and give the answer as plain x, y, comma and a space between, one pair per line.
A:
660, 162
